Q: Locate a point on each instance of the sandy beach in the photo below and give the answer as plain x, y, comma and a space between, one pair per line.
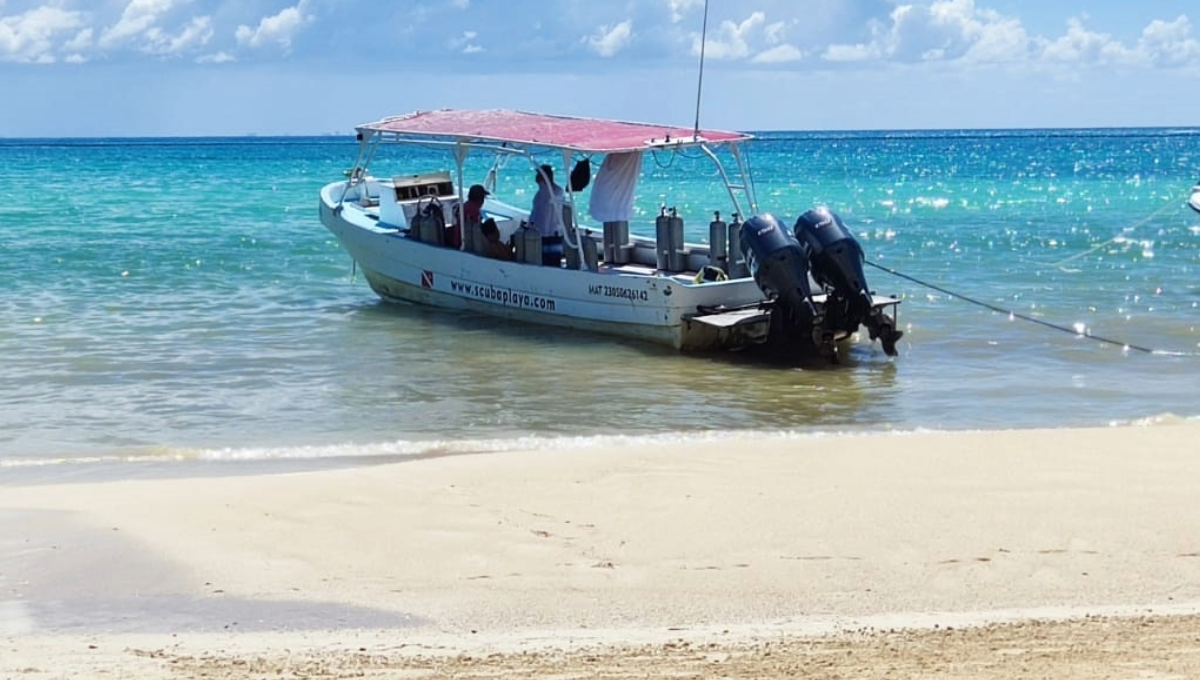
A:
1036, 553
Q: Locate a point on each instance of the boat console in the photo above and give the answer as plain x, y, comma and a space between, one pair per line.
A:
399, 198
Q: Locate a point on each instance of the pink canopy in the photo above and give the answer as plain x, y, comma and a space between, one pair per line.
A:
519, 127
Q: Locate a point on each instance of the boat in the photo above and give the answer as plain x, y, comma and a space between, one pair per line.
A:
1194, 199
754, 283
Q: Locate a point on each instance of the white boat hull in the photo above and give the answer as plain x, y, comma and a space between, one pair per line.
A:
629, 301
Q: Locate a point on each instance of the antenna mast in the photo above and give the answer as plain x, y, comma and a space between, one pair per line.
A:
700, 80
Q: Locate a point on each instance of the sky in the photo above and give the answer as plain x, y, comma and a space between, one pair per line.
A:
98, 68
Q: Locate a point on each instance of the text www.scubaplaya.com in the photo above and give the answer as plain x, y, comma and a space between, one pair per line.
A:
504, 296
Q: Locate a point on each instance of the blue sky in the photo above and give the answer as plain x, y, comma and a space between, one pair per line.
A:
232, 67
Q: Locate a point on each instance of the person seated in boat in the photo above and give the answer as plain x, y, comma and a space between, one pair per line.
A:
493, 247
468, 216
546, 215
473, 209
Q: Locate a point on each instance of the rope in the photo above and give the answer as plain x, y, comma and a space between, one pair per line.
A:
1024, 317
1124, 233
1125, 345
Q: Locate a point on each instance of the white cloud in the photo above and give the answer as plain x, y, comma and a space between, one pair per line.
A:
678, 7
608, 40
945, 30
778, 55
196, 34
732, 39
30, 37
739, 41
276, 29
774, 33
960, 31
82, 41
1169, 43
139, 16
218, 58
466, 43
1079, 44
847, 33
852, 53
140, 27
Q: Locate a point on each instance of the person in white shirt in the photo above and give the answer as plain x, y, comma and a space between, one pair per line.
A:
546, 215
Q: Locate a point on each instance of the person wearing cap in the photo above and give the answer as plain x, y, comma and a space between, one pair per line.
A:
473, 208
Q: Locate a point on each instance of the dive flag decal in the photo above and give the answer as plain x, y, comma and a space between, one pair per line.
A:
426, 278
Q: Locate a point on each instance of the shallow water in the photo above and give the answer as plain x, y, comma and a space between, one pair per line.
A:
173, 302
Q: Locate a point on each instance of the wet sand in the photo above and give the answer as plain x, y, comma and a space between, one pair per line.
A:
1056, 553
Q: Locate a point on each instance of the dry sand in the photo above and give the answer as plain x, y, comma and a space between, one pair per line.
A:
1041, 553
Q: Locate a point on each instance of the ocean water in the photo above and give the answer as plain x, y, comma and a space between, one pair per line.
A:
175, 306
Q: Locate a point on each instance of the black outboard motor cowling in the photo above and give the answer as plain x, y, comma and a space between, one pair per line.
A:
780, 268
836, 259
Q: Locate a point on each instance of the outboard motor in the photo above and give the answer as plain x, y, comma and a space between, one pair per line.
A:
837, 260
780, 268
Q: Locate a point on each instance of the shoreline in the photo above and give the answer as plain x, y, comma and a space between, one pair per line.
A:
844, 540
190, 462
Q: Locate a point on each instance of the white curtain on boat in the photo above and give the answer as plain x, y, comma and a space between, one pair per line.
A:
612, 192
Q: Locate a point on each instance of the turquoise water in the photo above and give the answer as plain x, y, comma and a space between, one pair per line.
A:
175, 304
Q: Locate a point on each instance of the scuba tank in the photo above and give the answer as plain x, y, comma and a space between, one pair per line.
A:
718, 243
428, 223
662, 240
737, 260
676, 254
529, 245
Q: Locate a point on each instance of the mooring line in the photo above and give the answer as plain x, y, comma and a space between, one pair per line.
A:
1125, 232
1025, 317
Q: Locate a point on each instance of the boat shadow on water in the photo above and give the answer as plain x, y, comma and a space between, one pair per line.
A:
565, 373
